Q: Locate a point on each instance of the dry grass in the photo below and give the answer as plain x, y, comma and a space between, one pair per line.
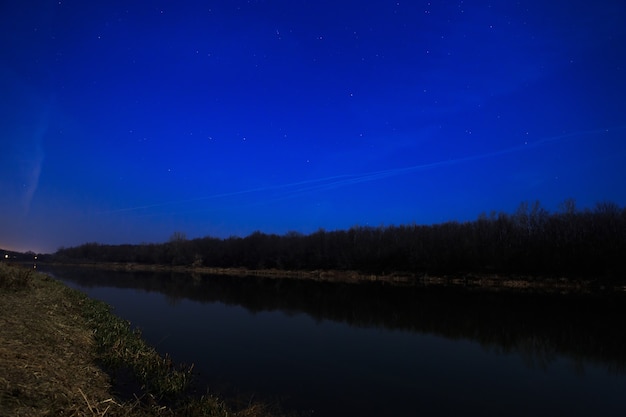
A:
46, 353
51, 360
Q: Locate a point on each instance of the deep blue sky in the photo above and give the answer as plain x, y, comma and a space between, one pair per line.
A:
124, 121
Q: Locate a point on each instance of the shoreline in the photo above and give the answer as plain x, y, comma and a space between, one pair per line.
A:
484, 281
64, 353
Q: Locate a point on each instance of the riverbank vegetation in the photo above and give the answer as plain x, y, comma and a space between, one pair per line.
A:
64, 354
531, 241
540, 325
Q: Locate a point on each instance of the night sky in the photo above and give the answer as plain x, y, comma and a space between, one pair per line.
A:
127, 121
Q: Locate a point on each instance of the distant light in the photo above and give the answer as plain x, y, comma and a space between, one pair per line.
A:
6, 256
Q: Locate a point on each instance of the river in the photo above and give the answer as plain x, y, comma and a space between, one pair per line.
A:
378, 350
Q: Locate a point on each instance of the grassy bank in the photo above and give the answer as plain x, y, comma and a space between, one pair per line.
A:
63, 354
484, 281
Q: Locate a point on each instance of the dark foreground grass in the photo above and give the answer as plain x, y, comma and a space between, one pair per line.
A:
64, 354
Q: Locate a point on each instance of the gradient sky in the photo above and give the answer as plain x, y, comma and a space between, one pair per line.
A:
125, 121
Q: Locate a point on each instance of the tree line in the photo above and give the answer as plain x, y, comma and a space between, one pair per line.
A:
572, 242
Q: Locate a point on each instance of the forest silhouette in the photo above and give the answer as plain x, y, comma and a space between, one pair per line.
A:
589, 243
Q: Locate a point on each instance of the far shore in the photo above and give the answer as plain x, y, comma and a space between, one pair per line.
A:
487, 281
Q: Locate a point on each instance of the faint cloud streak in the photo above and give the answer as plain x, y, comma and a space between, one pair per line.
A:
289, 190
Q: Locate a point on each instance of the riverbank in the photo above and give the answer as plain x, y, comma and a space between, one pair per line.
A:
64, 354
483, 281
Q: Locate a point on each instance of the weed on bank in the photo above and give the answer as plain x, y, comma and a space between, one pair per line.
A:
64, 354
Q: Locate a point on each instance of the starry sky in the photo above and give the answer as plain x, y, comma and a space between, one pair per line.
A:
127, 121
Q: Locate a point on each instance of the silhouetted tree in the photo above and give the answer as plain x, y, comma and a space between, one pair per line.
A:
531, 241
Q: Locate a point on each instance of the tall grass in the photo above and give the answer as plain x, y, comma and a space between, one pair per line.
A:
15, 278
122, 349
158, 384
56, 342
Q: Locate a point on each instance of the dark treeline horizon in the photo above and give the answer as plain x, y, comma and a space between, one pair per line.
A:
572, 242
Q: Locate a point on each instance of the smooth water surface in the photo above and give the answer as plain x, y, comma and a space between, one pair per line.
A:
375, 350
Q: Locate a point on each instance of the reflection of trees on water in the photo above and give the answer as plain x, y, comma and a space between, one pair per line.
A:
536, 352
173, 300
539, 327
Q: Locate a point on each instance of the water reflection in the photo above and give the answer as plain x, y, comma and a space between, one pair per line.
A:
586, 328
